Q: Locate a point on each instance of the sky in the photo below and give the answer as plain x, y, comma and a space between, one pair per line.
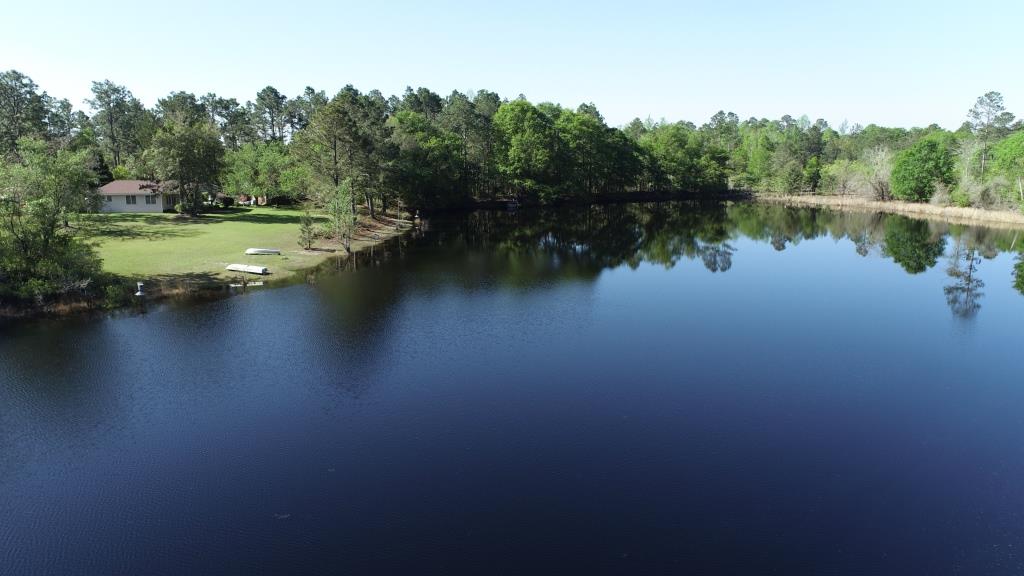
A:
895, 63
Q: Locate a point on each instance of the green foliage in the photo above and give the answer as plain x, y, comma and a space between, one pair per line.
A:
307, 231
342, 217
1008, 157
39, 256
525, 148
988, 117
960, 198
843, 177
426, 169
917, 170
812, 174
297, 181
190, 157
347, 138
270, 114
428, 151
431, 151
181, 107
121, 173
22, 110
123, 125
257, 169
686, 159
116, 295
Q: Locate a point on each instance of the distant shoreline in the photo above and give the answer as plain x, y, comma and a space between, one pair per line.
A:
949, 214
158, 291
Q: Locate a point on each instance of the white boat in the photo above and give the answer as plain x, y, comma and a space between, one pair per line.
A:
262, 251
247, 268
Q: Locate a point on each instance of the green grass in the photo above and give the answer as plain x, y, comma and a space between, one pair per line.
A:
168, 247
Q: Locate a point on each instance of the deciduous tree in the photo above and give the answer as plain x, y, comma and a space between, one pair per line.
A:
188, 158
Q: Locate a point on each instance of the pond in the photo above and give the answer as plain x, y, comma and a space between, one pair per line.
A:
627, 389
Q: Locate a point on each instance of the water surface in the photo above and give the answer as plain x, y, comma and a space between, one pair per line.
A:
656, 389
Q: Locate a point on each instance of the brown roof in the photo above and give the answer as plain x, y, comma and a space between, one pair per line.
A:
129, 187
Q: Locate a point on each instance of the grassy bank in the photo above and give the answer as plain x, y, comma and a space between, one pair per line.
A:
169, 249
950, 214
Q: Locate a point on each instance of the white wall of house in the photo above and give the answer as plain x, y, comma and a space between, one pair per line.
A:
119, 203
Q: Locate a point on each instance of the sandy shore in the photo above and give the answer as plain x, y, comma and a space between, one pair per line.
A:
950, 214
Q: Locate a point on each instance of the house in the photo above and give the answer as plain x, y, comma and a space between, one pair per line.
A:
135, 196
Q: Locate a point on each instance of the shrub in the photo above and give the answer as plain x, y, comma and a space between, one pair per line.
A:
307, 231
844, 177
115, 295
121, 173
916, 170
960, 198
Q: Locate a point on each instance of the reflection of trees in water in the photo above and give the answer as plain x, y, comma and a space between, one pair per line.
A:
718, 258
782, 226
964, 293
356, 310
911, 244
916, 245
1018, 274
535, 247
581, 243
693, 232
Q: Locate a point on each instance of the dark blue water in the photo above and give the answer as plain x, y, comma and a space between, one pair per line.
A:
661, 389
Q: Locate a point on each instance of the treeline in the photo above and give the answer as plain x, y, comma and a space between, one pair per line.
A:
425, 151
429, 151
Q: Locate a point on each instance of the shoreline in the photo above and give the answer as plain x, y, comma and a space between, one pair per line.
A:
373, 233
370, 234
949, 214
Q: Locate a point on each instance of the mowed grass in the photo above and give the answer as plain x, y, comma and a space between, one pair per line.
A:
167, 247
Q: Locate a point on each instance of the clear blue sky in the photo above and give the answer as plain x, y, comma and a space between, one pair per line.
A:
899, 63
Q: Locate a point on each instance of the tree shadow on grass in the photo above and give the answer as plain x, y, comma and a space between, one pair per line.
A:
160, 226
142, 226
103, 231
151, 219
189, 280
264, 218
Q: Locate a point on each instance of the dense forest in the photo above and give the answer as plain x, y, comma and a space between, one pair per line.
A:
361, 151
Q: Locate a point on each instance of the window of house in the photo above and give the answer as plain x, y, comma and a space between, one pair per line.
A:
129, 199
109, 198
150, 199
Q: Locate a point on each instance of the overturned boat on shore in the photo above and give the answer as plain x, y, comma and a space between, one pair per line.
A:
249, 269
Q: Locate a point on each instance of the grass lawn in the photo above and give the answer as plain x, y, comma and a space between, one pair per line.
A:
169, 247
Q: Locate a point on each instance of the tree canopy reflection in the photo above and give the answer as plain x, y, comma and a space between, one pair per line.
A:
1018, 274
964, 293
911, 244
530, 248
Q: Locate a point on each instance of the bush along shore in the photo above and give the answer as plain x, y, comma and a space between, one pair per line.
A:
361, 152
